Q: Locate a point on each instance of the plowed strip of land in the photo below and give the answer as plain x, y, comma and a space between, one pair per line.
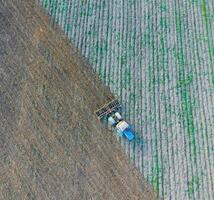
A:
51, 144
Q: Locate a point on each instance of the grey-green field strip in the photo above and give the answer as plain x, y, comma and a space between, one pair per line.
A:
157, 56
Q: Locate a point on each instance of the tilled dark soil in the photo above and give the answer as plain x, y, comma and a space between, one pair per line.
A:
51, 144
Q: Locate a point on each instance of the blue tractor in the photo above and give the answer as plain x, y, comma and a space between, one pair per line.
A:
110, 113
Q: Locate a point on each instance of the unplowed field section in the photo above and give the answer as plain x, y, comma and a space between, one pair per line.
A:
157, 56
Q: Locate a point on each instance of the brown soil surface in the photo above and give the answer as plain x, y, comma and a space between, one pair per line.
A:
51, 144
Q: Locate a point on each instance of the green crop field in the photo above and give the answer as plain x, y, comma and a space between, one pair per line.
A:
157, 57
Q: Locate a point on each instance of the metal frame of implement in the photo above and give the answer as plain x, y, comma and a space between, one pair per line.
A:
108, 108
